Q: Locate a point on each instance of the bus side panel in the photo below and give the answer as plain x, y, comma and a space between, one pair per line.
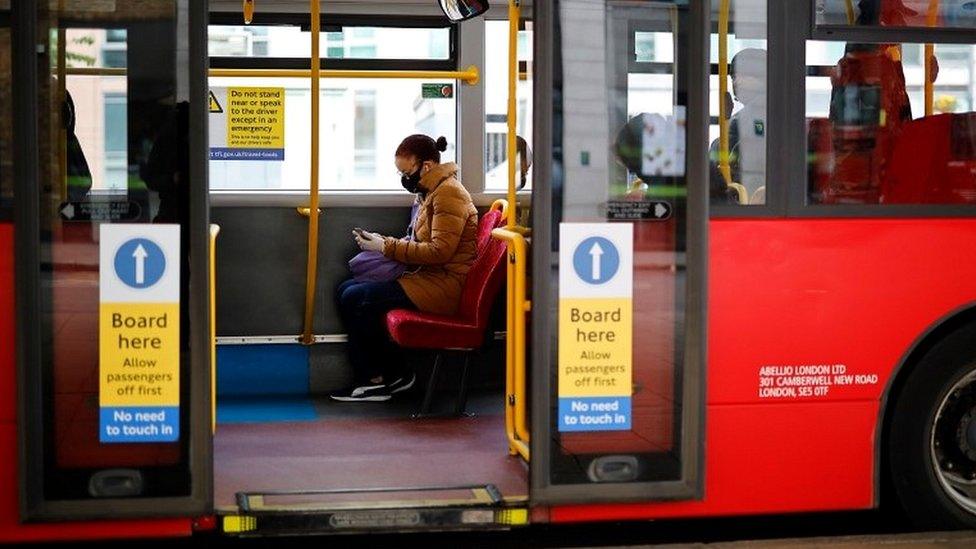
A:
10, 527
767, 460
842, 299
8, 353
821, 311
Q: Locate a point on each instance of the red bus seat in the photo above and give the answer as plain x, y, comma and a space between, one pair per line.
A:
933, 162
465, 331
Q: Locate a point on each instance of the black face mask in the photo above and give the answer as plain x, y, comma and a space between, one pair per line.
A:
411, 182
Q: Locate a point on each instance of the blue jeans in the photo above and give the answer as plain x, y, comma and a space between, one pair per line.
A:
363, 306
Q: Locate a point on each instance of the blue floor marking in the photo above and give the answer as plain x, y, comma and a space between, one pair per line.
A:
264, 410
250, 370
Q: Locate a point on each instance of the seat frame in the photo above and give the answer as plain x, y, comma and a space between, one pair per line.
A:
461, 400
440, 356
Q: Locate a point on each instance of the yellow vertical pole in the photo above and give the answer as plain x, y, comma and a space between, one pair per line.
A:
723, 91
932, 18
510, 335
214, 230
929, 83
513, 23
62, 96
313, 218
849, 4
510, 313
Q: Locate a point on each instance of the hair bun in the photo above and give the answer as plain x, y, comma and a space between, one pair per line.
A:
441, 143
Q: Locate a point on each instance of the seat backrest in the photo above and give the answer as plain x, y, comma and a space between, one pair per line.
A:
915, 172
491, 220
486, 275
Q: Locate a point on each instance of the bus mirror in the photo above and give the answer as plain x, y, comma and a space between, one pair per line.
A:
461, 10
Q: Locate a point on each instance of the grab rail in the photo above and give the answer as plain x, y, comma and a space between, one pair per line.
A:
517, 306
851, 17
513, 22
470, 75
723, 89
214, 231
500, 205
311, 271
932, 17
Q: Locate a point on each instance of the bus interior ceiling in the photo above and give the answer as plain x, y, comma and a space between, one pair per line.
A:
277, 429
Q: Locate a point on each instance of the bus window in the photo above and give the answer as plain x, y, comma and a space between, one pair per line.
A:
96, 126
738, 164
496, 100
363, 119
896, 13
341, 42
869, 139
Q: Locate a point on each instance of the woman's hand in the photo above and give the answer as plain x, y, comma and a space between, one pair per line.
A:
370, 242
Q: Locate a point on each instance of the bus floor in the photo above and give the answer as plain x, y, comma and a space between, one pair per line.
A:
369, 445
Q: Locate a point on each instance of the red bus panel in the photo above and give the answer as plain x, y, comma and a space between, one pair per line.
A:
786, 294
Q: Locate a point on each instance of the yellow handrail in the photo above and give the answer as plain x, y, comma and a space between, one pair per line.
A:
931, 18
248, 11
517, 306
741, 191
850, 12
723, 91
513, 22
313, 194
470, 75
95, 71
214, 231
62, 97
500, 205
516, 409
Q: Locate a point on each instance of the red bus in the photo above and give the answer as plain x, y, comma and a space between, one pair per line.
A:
723, 263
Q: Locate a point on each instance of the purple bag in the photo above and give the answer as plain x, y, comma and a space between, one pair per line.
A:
376, 267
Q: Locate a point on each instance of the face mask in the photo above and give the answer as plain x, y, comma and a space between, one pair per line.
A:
411, 182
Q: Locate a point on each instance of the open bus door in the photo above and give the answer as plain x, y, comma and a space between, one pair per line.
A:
619, 244
111, 264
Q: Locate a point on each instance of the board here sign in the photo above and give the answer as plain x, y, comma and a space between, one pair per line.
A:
595, 326
139, 333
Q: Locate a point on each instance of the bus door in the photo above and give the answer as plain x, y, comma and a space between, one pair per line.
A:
619, 251
111, 264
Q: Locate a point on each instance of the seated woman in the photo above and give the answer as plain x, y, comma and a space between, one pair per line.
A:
439, 255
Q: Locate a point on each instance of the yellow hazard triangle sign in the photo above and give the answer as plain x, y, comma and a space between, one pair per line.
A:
214, 105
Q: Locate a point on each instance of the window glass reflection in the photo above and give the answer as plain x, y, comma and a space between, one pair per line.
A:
348, 43
897, 13
891, 123
738, 127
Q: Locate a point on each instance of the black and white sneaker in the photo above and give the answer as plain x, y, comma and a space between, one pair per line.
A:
402, 383
365, 393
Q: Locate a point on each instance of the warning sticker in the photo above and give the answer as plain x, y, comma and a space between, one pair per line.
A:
253, 120
214, 104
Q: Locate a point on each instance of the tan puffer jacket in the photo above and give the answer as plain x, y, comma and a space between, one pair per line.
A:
444, 244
